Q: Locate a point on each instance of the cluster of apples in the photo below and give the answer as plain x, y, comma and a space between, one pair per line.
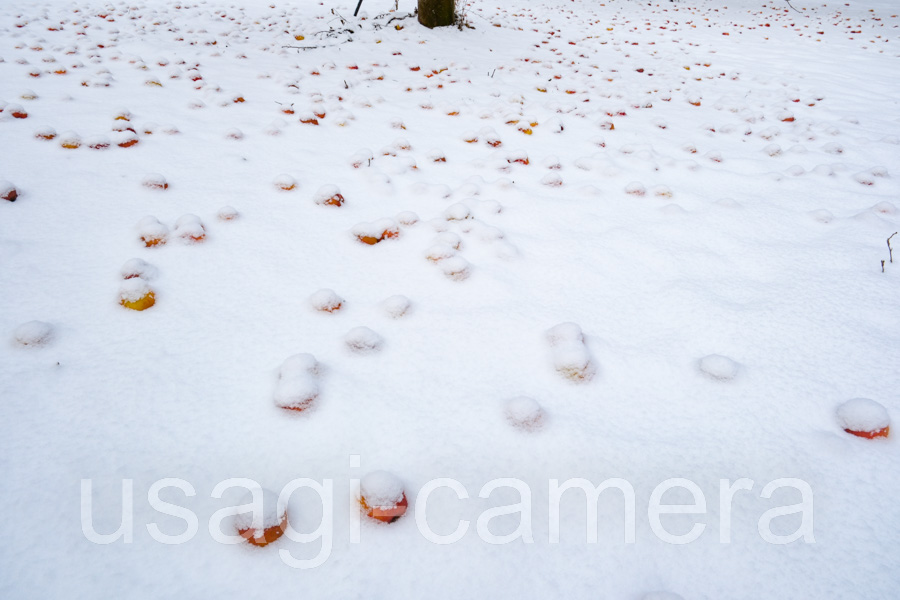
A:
135, 292
124, 135
382, 498
376, 231
297, 386
189, 228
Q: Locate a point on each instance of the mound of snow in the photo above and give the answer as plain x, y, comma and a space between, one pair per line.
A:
296, 391
298, 364
136, 267
456, 267
155, 181
328, 195
718, 367
457, 212
326, 300
552, 180
151, 232
284, 182
407, 218
297, 385
525, 413
261, 517
33, 333
190, 228
381, 489
376, 231
450, 239
396, 306
363, 340
227, 213
565, 334
133, 289
571, 358
573, 362
863, 415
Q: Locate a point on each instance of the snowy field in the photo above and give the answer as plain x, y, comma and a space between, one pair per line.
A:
705, 188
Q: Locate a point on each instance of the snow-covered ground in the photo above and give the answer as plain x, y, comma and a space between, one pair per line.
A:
706, 191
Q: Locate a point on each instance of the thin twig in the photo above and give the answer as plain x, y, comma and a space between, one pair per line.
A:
338, 15
891, 250
400, 18
376, 25
349, 39
792, 6
333, 32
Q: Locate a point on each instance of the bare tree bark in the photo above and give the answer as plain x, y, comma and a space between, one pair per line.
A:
436, 13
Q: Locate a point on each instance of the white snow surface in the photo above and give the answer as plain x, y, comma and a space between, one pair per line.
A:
756, 238
662, 595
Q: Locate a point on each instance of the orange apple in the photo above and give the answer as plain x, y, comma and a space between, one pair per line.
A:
270, 534
142, 303
871, 434
385, 514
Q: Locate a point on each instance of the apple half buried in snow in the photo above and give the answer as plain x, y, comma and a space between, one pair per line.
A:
326, 300
136, 294
269, 534
524, 413
297, 386
372, 233
382, 497
152, 232
385, 514
296, 391
8, 191
329, 195
864, 418
884, 432
265, 527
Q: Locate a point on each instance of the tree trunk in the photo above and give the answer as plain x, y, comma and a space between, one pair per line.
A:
436, 13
